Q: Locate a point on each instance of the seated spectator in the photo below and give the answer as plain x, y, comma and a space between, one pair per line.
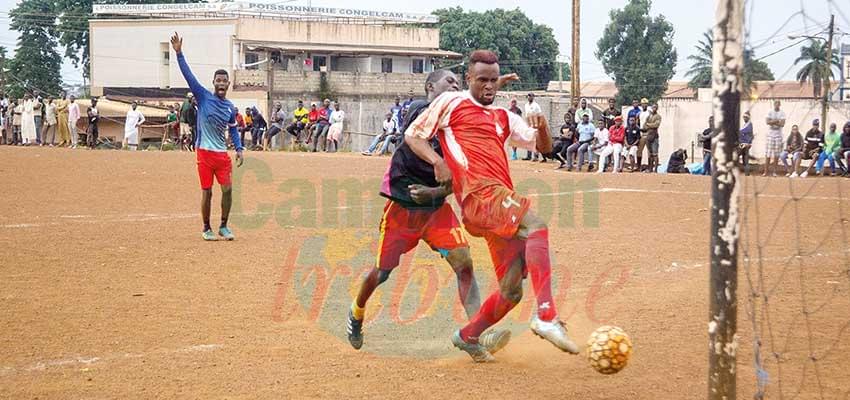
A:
630, 149
581, 147
793, 148
842, 155
278, 116
300, 120
832, 142
813, 146
322, 125
600, 145
564, 141
390, 128
616, 137
677, 162
312, 119
335, 131
249, 124
259, 128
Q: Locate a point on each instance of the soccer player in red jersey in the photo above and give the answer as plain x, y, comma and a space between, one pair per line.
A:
416, 211
472, 134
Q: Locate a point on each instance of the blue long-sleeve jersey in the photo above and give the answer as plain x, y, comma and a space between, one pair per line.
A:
215, 115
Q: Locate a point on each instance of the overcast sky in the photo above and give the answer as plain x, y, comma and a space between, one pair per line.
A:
689, 18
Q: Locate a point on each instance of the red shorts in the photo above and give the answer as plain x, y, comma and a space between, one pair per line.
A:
494, 210
213, 163
401, 229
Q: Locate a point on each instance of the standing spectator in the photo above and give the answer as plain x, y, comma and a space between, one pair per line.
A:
17, 111
616, 138
832, 142
706, 137
324, 124
642, 117
389, 129
278, 117
653, 123
38, 118
49, 133
396, 111
794, 149
186, 110
813, 147
335, 131
300, 119
630, 150
260, 126
134, 119
635, 112
610, 113
407, 103
601, 141
93, 120
531, 108
171, 124
582, 111
73, 117
516, 110
745, 139
563, 142
581, 147
249, 124
775, 121
62, 122
842, 155
4, 105
28, 121
192, 122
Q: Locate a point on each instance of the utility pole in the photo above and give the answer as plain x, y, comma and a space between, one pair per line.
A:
827, 86
727, 85
575, 76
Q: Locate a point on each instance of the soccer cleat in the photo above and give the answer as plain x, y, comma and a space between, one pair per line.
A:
478, 353
226, 233
804, 174
555, 332
794, 175
209, 236
355, 331
495, 340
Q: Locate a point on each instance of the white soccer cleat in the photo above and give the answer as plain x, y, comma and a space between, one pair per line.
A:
794, 175
555, 332
495, 340
804, 174
477, 351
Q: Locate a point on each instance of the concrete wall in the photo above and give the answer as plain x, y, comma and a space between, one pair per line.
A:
129, 55
268, 30
304, 84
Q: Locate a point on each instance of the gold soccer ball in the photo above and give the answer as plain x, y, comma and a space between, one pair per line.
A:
609, 349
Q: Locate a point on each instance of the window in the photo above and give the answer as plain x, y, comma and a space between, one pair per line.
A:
166, 57
387, 65
251, 58
319, 62
334, 63
418, 66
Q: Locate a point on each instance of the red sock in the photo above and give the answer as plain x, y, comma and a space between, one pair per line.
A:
540, 268
491, 312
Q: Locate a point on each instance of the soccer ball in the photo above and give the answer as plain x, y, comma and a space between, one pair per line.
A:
609, 349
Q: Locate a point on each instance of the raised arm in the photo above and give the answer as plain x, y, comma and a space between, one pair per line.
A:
197, 89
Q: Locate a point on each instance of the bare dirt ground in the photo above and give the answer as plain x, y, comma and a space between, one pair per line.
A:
107, 291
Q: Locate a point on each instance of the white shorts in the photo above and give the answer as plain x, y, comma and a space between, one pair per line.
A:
630, 150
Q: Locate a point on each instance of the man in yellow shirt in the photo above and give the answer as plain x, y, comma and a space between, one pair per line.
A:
299, 120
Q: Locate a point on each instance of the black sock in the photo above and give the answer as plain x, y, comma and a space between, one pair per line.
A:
207, 226
223, 223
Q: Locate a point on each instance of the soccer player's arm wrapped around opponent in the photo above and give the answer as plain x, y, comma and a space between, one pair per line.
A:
424, 128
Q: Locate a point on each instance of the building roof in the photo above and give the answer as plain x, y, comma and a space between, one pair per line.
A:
680, 90
352, 50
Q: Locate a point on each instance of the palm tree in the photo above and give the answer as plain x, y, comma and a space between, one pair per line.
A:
816, 68
754, 69
701, 68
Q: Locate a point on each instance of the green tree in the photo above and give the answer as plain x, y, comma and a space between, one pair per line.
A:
700, 70
816, 68
523, 47
35, 67
74, 26
637, 51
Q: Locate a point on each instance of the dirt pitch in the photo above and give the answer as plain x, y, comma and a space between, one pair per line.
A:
107, 291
